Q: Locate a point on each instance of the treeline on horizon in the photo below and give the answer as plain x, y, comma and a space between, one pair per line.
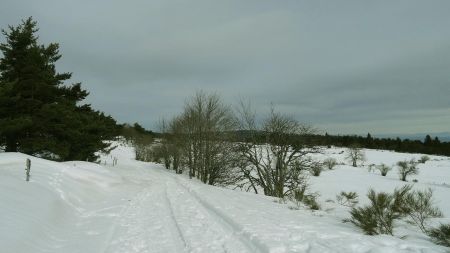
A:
431, 146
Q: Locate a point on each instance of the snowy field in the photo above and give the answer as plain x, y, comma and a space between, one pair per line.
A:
141, 207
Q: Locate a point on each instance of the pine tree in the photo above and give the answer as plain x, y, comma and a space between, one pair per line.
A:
428, 141
39, 114
369, 140
436, 141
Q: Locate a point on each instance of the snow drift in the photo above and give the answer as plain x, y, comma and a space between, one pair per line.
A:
141, 207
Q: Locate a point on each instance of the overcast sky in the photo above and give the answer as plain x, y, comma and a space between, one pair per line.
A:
347, 67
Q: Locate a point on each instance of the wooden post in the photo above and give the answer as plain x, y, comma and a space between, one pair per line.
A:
27, 169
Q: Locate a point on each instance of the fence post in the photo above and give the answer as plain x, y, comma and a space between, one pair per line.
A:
27, 169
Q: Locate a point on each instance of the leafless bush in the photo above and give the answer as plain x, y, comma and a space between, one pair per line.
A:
424, 159
199, 139
330, 163
316, 169
406, 168
355, 155
384, 169
277, 166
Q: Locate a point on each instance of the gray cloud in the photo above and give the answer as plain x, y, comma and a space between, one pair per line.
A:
344, 66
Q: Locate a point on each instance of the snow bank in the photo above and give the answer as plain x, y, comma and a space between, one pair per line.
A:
141, 207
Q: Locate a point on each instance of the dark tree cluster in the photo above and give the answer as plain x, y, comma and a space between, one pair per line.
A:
39, 113
136, 132
141, 139
432, 146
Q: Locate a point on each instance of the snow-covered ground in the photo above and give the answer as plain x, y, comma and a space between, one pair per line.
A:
141, 207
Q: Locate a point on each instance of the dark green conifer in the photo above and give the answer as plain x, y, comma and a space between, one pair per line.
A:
39, 113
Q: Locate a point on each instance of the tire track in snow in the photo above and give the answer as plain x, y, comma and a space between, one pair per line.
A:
176, 231
146, 224
233, 229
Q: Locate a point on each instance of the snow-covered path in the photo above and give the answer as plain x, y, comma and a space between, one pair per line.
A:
166, 216
140, 207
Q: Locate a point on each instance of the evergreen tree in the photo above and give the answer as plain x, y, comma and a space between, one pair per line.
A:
369, 140
436, 141
39, 114
428, 141
397, 144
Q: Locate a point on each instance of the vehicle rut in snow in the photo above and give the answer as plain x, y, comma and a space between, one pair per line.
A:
175, 227
145, 225
234, 239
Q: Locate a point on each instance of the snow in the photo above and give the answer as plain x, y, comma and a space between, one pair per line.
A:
434, 174
141, 207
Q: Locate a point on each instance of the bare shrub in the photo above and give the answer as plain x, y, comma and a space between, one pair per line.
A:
384, 169
142, 147
316, 169
330, 163
355, 154
371, 167
199, 139
276, 152
406, 168
424, 159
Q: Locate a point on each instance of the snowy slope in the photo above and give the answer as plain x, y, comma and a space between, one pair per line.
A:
434, 174
141, 207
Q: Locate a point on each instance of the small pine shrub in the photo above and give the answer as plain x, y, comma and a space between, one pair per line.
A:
310, 200
384, 169
419, 207
349, 199
441, 235
379, 216
316, 169
330, 163
364, 218
424, 159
